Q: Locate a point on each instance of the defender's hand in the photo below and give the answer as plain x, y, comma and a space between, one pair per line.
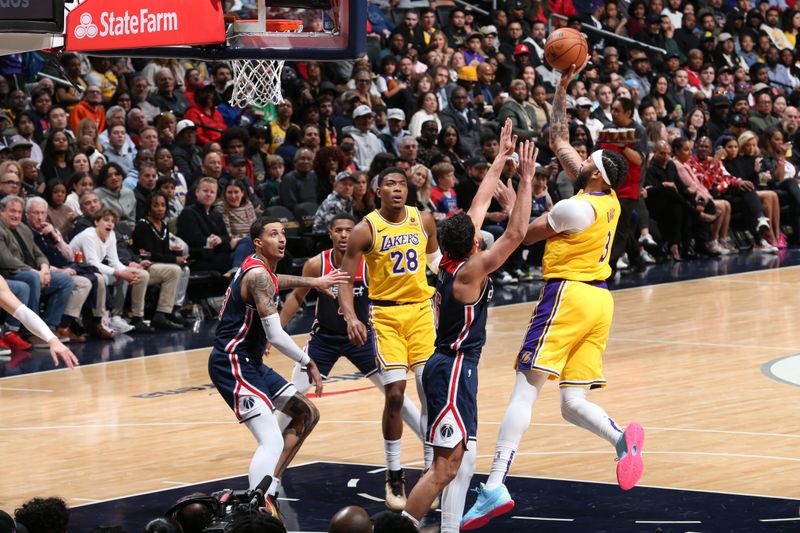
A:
314, 377
334, 277
357, 332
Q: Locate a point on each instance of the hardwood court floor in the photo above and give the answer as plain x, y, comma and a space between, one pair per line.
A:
684, 360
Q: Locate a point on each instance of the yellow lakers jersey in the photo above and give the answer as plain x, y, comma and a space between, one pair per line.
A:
583, 256
396, 260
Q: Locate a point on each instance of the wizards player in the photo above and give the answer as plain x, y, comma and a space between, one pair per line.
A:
569, 328
463, 293
250, 388
329, 340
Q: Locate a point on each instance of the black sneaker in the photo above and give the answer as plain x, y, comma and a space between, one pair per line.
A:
162, 321
139, 325
396, 490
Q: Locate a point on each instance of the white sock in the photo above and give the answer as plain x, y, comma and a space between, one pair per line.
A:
411, 519
270, 445
410, 411
392, 450
576, 409
274, 487
427, 449
515, 422
454, 495
300, 381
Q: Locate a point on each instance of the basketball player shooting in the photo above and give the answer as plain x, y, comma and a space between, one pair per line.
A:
463, 292
250, 388
569, 328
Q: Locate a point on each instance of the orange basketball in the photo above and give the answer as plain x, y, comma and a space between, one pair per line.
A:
565, 47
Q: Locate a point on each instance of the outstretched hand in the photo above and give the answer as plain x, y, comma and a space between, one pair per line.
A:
334, 277
527, 160
508, 141
59, 351
506, 195
569, 74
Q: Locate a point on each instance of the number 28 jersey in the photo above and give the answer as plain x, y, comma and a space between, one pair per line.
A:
583, 256
396, 260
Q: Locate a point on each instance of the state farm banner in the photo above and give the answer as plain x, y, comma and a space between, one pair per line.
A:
111, 25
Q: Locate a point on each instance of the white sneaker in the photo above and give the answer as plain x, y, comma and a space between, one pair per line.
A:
647, 240
765, 247
622, 262
119, 325
716, 248
647, 258
763, 224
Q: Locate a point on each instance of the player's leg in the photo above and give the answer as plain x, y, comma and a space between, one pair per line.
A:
427, 449
445, 466
454, 496
584, 369
324, 354
421, 336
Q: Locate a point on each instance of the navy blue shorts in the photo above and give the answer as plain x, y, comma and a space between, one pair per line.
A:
247, 387
451, 392
325, 349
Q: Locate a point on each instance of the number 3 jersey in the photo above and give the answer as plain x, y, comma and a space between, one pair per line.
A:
582, 254
396, 260
328, 318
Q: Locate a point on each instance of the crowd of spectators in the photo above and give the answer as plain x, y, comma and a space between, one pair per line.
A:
140, 173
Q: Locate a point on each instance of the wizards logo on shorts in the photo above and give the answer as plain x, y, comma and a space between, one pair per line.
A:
446, 431
246, 403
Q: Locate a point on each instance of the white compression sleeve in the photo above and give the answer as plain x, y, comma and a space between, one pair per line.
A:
282, 341
33, 323
433, 260
571, 216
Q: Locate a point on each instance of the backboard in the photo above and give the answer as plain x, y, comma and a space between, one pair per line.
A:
27, 25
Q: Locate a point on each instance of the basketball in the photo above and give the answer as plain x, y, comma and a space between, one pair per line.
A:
566, 47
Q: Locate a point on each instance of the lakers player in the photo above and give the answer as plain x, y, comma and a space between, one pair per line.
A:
397, 243
569, 328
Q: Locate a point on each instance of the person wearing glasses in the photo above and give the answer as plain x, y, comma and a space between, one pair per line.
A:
10, 181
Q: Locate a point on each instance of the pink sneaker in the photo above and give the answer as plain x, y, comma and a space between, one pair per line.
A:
782, 242
630, 465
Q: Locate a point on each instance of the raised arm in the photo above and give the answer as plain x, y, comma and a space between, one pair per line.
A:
559, 130
294, 302
360, 240
258, 287
321, 283
470, 277
483, 197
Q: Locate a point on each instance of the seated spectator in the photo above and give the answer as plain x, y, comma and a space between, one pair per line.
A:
288, 149
85, 282
23, 261
204, 231
58, 213
117, 152
338, 202
428, 108
113, 196
91, 106
279, 127
450, 146
422, 179
426, 143
367, 144
236, 169
166, 125
32, 179
146, 184
186, 154
443, 195
58, 151
300, 185
165, 164
116, 116
26, 130
205, 115
144, 155
363, 202
238, 214
152, 234
166, 185
166, 98
521, 113
269, 189
665, 196
328, 163
464, 119
394, 130
10, 178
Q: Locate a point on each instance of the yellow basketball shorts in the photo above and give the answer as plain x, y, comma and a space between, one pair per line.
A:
403, 334
568, 333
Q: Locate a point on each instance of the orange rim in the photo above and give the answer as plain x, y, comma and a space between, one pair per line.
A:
277, 25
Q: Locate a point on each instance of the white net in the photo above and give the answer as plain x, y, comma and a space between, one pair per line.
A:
256, 82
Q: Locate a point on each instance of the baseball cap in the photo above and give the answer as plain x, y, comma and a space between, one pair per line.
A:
521, 49
583, 102
632, 83
475, 35
362, 111
341, 176
760, 87
489, 30
327, 86
719, 101
477, 161
395, 114
468, 73
725, 68
516, 4
724, 36
349, 95
236, 159
653, 18
184, 124
20, 144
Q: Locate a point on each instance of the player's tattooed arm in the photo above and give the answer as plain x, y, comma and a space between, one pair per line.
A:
261, 291
559, 129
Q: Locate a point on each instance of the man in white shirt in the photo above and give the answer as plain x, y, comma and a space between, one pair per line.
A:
367, 144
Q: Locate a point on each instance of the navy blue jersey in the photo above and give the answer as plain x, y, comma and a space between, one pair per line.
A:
239, 329
328, 317
539, 206
459, 327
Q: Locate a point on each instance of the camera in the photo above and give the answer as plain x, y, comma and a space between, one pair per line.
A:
224, 507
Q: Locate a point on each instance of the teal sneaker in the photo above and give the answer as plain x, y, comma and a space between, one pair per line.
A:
630, 465
491, 503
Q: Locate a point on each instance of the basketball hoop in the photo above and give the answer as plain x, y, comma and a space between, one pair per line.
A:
257, 82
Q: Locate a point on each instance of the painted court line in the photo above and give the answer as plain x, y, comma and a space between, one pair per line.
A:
18, 389
543, 518
702, 454
669, 522
797, 519
370, 497
353, 483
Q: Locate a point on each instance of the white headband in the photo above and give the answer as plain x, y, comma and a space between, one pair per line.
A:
597, 157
